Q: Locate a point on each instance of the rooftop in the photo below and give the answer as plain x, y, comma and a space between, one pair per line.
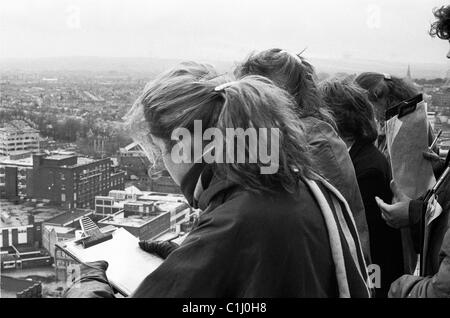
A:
84, 161
13, 215
23, 162
60, 229
118, 219
17, 125
68, 217
58, 156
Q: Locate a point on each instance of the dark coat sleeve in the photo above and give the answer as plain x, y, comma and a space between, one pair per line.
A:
200, 267
385, 242
426, 287
415, 212
373, 183
91, 283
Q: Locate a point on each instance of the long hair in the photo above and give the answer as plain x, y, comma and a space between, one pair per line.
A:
352, 109
292, 73
441, 27
179, 97
382, 86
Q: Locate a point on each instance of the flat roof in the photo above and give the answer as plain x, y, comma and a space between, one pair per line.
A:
69, 216
24, 162
17, 125
58, 156
137, 221
60, 229
85, 161
17, 214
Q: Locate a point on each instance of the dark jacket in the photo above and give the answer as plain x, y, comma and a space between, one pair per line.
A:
435, 252
373, 174
333, 160
252, 245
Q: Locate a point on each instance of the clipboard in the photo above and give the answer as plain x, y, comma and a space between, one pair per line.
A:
430, 194
406, 139
128, 266
404, 108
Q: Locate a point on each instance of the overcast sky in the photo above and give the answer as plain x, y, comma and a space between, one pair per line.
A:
220, 30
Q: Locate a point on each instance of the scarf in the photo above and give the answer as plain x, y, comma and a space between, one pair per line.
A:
338, 218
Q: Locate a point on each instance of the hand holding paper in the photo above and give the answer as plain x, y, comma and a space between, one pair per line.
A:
396, 215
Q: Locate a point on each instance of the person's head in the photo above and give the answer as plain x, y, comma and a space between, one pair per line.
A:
192, 99
385, 91
292, 73
352, 110
441, 27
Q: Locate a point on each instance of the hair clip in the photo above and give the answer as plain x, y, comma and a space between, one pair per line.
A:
293, 55
387, 76
221, 87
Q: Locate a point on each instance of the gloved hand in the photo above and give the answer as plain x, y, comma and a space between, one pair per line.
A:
90, 281
160, 248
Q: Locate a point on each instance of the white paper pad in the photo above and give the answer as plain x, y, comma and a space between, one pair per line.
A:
128, 263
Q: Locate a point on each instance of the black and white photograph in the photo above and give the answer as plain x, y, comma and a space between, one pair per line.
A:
231, 150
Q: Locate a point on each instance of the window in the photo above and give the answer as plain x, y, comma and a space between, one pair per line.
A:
63, 197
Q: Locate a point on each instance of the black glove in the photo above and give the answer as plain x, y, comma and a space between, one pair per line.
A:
160, 248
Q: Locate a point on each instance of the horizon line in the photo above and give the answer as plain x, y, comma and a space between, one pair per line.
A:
389, 61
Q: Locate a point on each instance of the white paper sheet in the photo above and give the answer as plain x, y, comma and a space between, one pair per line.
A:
407, 139
128, 263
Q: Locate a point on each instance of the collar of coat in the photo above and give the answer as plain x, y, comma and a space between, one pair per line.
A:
200, 185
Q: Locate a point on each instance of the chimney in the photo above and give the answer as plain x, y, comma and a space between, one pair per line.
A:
37, 159
30, 219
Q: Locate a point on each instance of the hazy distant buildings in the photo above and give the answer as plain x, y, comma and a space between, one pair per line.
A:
17, 136
441, 98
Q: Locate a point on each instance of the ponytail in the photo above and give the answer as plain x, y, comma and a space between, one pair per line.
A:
255, 102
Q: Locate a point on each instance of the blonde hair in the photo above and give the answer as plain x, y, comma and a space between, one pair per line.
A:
188, 92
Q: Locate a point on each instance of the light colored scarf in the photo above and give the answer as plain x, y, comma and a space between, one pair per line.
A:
334, 237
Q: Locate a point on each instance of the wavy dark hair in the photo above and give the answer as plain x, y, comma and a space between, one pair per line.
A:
292, 73
352, 109
441, 27
382, 86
